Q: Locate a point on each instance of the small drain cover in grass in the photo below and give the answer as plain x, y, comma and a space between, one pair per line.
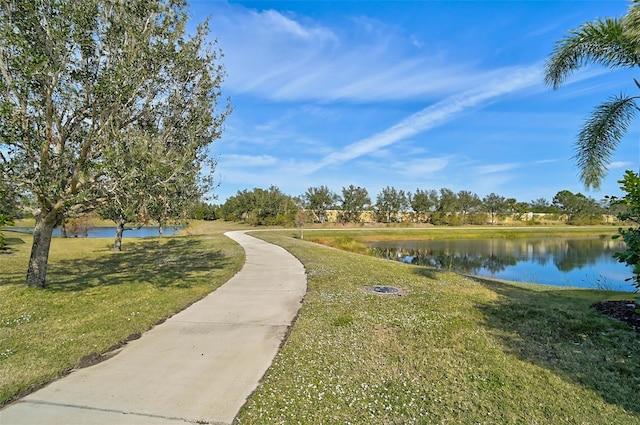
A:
385, 290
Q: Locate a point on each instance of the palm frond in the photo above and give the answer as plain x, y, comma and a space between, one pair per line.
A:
605, 42
600, 136
632, 22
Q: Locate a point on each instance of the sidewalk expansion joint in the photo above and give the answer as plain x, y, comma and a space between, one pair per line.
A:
100, 409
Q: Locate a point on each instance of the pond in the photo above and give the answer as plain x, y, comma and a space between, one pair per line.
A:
564, 261
110, 232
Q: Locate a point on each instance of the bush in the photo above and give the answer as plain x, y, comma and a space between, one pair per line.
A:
631, 235
584, 220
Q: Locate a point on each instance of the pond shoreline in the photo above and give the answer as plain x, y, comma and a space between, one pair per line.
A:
590, 272
104, 232
371, 234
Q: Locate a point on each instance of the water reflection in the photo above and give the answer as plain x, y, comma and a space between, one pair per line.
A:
108, 232
582, 261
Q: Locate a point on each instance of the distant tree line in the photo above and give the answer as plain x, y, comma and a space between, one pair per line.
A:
260, 207
442, 207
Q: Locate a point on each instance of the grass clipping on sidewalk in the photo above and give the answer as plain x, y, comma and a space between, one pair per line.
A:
450, 349
96, 299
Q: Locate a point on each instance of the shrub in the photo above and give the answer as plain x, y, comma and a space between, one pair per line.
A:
631, 235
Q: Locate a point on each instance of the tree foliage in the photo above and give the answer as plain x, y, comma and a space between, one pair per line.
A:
611, 42
353, 202
630, 184
468, 204
438, 207
445, 210
80, 77
541, 205
261, 207
495, 205
390, 204
318, 200
580, 209
8, 203
422, 203
9, 197
204, 211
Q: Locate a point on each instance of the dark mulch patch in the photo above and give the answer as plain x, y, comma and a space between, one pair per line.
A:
624, 310
95, 358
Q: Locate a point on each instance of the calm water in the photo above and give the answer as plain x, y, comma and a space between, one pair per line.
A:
110, 232
581, 262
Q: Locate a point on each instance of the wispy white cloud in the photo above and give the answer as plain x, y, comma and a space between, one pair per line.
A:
491, 183
285, 57
437, 114
621, 164
422, 167
496, 168
587, 81
263, 48
549, 161
242, 161
349, 95
273, 21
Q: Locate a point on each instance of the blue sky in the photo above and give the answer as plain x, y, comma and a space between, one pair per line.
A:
408, 94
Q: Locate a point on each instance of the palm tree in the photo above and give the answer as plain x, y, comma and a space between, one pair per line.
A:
614, 43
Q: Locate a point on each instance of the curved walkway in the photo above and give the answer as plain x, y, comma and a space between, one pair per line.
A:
197, 367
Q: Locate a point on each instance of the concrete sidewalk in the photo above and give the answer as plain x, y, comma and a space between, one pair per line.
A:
197, 367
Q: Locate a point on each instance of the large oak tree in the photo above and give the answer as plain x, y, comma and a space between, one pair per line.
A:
79, 77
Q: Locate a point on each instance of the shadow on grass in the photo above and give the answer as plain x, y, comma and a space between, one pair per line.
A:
9, 244
9, 251
175, 262
428, 272
14, 241
559, 331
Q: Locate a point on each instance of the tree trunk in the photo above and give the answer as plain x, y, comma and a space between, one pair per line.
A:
42, 234
117, 244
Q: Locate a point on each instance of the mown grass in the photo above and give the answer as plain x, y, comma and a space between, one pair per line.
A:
202, 227
364, 234
355, 240
452, 349
96, 298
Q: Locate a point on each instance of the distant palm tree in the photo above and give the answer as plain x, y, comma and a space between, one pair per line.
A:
615, 43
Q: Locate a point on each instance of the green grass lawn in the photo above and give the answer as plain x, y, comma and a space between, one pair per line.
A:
452, 349
355, 240
466, 232
96, 298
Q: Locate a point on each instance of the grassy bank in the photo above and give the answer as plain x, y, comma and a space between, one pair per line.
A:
452, 349
355, 240
97, 298
193, 227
